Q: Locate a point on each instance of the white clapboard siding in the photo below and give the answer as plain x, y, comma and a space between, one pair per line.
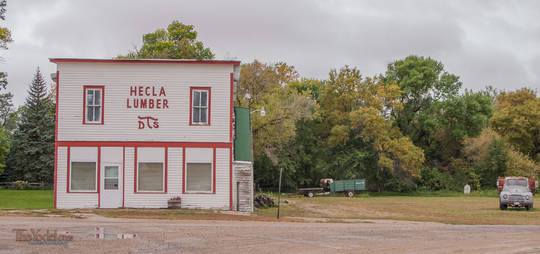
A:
219, 200
140, 200
66, 200
121, 123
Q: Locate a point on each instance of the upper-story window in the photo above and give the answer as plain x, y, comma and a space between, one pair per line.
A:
200, 106
93, 105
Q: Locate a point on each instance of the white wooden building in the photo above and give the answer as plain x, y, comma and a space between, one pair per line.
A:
135, 133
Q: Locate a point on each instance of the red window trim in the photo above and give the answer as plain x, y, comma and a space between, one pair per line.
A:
68, 173
102, 104
184, 165
191, 89
136, 167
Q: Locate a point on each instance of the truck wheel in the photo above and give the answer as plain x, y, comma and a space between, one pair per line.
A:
310, 194
350, 194
503, 207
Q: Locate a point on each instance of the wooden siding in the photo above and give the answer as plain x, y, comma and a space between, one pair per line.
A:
121, 123
243, 178
219, 200
70, 200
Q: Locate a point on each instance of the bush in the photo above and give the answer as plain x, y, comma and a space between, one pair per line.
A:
433, 179
20, 185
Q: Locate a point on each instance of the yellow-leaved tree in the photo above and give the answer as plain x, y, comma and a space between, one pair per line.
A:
356, 109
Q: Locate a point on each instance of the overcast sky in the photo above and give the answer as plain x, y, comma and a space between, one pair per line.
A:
484, 42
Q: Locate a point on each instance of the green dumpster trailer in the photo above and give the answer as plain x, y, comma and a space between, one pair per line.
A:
349, 187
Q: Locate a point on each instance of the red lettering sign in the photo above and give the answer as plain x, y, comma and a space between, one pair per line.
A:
148, 122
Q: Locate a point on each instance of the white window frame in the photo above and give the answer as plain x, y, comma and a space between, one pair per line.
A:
71, 177
200, 107
92, 105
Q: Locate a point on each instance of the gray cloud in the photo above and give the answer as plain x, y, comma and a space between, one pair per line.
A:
484, 42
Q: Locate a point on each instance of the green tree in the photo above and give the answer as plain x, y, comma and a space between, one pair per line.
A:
5, 34
357, 111
6, 104
311, 87
268, 87
424, 84
178, 41
31, 156
517, 118
489, 156
458, 117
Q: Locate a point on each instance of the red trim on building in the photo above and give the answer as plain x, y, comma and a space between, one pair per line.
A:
99, 175
136, 191
68, 167
231, 109
55, 170
209, 89
56, 139
102, 88
123, 176
135, 169
166, 166
214, 173
179, 61
230, 179
183, 170
145, 144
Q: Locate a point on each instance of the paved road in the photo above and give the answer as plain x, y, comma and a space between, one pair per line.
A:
185, 236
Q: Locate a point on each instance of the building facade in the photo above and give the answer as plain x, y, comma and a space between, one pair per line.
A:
135, 133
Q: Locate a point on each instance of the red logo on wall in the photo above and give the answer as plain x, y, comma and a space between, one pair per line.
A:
148, 122
147, 97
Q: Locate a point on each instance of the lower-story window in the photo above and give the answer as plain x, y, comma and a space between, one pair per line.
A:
83, 176
199, 177
150, 176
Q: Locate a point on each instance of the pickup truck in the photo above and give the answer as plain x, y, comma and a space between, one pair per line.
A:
516, 192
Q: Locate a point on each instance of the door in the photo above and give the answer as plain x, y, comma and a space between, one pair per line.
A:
111, 186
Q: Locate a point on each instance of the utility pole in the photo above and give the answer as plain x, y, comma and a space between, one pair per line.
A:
279, 192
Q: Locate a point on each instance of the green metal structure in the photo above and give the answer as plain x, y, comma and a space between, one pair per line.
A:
242, 140
348, 185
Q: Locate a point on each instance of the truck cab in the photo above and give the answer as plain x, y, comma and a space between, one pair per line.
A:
516, 192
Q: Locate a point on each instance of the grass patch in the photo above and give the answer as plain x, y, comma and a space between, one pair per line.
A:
26, 199
444, 207
450, 209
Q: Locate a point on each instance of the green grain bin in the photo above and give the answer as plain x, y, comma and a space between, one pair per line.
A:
348, 186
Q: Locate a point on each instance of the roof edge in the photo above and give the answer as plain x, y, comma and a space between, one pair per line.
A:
177, 61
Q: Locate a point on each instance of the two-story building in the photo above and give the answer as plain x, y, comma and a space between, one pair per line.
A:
135, 133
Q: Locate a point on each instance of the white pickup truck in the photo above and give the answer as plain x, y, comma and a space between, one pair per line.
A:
516, 192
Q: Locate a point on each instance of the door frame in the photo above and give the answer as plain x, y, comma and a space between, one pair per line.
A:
118, 195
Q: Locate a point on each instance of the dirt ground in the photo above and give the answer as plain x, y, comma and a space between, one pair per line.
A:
203, 236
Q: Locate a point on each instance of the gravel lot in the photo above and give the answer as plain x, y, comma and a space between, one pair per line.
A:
187, 236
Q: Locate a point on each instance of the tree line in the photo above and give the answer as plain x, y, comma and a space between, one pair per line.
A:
27, 132
411, 127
